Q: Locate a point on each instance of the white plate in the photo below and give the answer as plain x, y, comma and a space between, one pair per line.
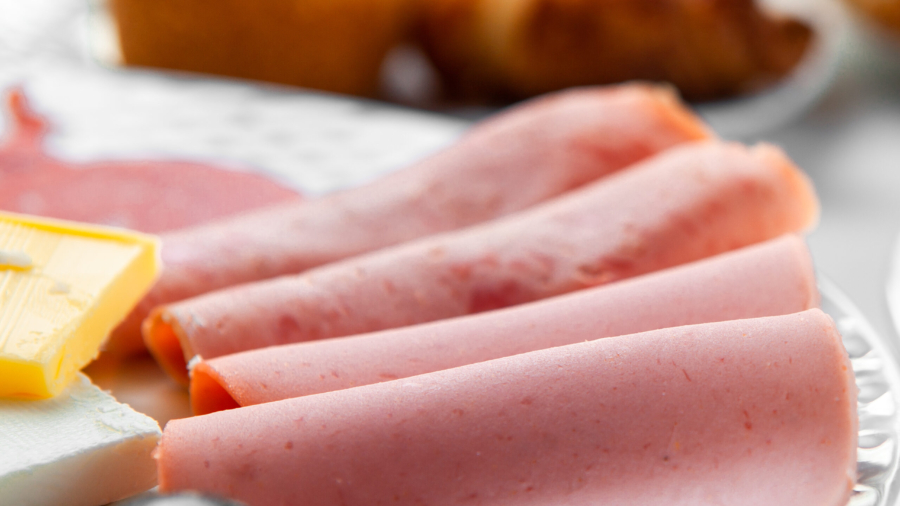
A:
748, 117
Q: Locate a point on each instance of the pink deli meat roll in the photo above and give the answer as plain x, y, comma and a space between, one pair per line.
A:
517, 159
745, 412
688, 203
772, 278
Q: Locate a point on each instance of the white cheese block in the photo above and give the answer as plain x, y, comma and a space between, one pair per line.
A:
80, 448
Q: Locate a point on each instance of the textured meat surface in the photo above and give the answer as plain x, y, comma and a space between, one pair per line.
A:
772, 278
515, 160
155, 196
745, 412
688, 203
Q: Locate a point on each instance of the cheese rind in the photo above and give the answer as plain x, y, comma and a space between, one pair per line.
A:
81, 448
55, 315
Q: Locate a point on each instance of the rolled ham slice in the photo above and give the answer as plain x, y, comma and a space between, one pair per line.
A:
745, 412
519, 158
688, 203
773, 278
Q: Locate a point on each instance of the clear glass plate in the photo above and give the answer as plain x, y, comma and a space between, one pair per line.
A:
879, 385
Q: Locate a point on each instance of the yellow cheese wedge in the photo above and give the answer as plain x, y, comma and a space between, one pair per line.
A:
63, 287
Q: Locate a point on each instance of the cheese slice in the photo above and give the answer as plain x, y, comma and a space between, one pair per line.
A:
81, 448
63, 287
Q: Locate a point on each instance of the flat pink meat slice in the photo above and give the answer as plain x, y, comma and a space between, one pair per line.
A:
148, 196
742, 413
515, 160
772, 278
688, 203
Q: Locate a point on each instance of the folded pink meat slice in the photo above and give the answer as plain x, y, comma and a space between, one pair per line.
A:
691, 202
772, 278
745, 412
512, 161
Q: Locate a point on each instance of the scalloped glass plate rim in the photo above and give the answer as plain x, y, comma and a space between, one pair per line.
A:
878, 380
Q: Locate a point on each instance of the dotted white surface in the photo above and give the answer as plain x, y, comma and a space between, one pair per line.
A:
312, 141
315, 142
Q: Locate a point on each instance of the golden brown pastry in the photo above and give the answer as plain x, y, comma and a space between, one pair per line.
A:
335, 45
885, 12
516, 48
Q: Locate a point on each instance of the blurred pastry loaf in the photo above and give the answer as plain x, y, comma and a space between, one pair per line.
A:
884, 12
334, 45
509, 49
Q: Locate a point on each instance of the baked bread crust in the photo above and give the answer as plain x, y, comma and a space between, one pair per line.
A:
334, 45
510, 49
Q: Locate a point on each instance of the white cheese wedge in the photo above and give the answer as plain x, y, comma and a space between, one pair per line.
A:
80, 448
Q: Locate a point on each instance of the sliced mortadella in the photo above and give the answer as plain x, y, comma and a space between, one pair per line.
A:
517, 159
150, 196
772, 278
744, 412
691, 202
